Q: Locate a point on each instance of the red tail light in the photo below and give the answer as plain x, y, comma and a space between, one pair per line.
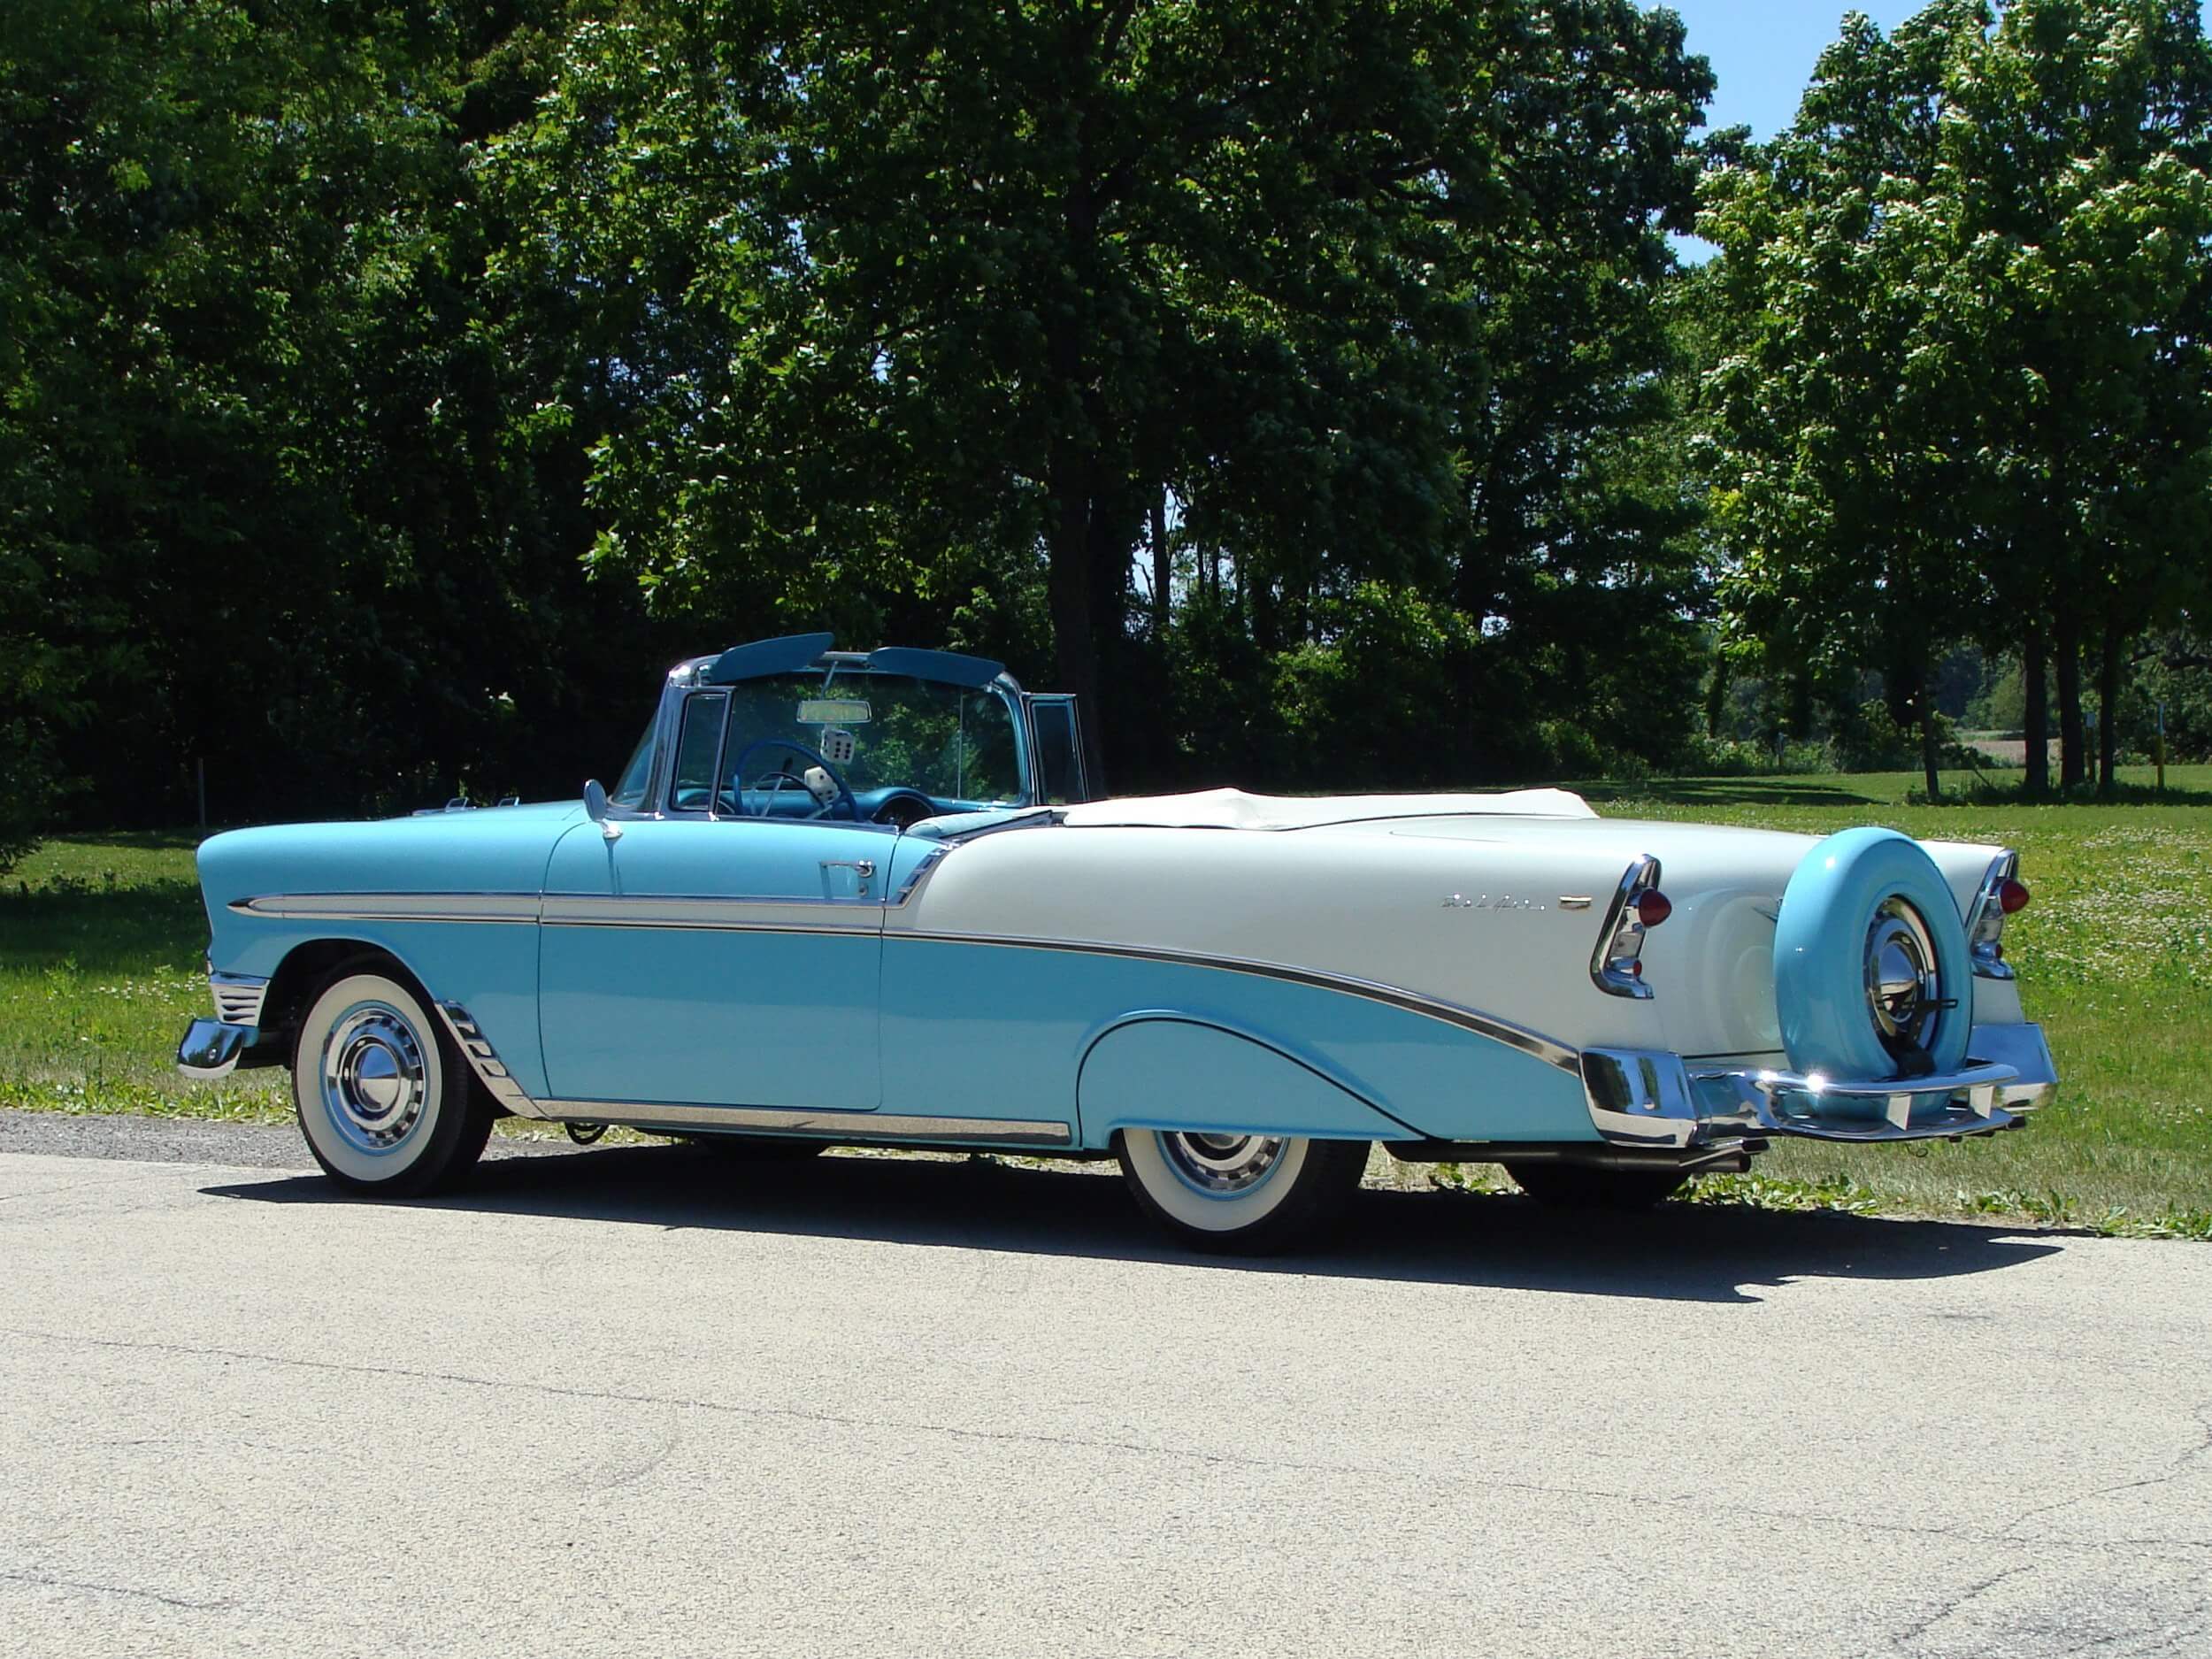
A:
1654, 907
2012, 896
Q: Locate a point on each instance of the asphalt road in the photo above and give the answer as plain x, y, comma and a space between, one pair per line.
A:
641, 1400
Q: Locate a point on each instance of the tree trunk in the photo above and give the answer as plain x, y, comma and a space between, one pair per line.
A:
1928, 756
2073, 759
1717, 692
2108, 714
1068, 585
2035, 681
1163, 568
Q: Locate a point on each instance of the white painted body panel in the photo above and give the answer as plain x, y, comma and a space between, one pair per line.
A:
1419, 892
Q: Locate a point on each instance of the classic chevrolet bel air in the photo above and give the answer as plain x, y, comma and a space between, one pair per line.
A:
846, 898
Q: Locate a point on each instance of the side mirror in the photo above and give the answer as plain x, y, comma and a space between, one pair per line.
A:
595, 810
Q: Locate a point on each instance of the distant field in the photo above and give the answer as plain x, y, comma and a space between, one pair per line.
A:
102, 936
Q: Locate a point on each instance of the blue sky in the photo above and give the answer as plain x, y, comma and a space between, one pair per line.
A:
1762, 50
1763, 53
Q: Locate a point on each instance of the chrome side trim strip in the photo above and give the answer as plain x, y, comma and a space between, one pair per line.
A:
800, 1121
858, 918
484, 1060
1547, 1049
391, 907
781, 914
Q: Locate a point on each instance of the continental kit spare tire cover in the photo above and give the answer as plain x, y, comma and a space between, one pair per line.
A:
1867, 915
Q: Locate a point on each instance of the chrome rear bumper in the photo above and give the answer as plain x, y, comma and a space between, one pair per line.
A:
1642, 1098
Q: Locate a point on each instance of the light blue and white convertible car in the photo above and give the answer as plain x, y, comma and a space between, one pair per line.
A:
846, 898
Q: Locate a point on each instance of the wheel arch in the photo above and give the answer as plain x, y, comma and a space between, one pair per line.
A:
1216, 1074
307, 966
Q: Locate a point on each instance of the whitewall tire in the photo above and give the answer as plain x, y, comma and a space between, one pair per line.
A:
385, 1102
1248, 1194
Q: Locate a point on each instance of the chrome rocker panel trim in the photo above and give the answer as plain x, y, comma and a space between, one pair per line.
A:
1642, 1098
798, 1120
211, 1049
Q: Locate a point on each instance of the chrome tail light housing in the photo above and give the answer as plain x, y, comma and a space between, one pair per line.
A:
2001, 896
1617, 966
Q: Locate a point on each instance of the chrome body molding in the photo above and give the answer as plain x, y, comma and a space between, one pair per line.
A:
391, 907
1547, 1049
736, 915
827, 1126
484, 1060
1650, 1099
238, 997
789, 915
211, 1049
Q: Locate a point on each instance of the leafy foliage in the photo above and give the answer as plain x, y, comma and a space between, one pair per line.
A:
1964, 389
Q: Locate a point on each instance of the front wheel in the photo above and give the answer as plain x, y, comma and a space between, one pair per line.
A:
385, 1101
1581, 1187
1246, 1194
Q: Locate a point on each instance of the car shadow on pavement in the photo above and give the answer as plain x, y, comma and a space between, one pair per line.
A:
1678, 1252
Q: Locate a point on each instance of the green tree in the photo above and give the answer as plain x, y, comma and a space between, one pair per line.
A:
1965, 392
1842, 412
966, 287
2080, 144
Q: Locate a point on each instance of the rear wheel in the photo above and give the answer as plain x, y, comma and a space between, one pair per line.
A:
1246, 1193
386, 1103
1582, 1186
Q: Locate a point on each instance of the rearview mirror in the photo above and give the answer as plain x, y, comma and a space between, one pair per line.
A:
595, 810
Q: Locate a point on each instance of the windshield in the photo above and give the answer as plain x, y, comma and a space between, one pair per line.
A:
881, 734
637, 777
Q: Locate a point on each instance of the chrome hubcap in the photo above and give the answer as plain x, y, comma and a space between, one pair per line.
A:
375, 1083
1222, 1166
1901, 984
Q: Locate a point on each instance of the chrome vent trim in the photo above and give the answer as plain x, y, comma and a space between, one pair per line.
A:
238, 997
484, 1060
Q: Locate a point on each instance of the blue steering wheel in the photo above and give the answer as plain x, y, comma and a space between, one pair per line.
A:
737, 777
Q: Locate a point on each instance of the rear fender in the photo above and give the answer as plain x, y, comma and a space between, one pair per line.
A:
1160, 1069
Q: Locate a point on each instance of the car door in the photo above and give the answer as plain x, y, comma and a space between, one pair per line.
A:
708, 959
715, 962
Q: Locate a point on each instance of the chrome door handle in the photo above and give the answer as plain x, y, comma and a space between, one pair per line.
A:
864, 871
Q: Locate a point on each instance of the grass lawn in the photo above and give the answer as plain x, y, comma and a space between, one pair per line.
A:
101, 937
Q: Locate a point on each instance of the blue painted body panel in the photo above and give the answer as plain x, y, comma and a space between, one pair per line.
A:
1001, 1031
1168, 1072
491, 968
709, 1015
856, 1019
764, 658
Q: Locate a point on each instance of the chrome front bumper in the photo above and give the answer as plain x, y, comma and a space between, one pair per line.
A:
1656, 1100
216, 1047
211, 1049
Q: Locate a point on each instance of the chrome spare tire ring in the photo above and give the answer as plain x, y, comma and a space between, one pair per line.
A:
1904, 989
375, 1083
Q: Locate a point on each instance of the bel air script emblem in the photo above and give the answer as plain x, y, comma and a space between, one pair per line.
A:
1503, 901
